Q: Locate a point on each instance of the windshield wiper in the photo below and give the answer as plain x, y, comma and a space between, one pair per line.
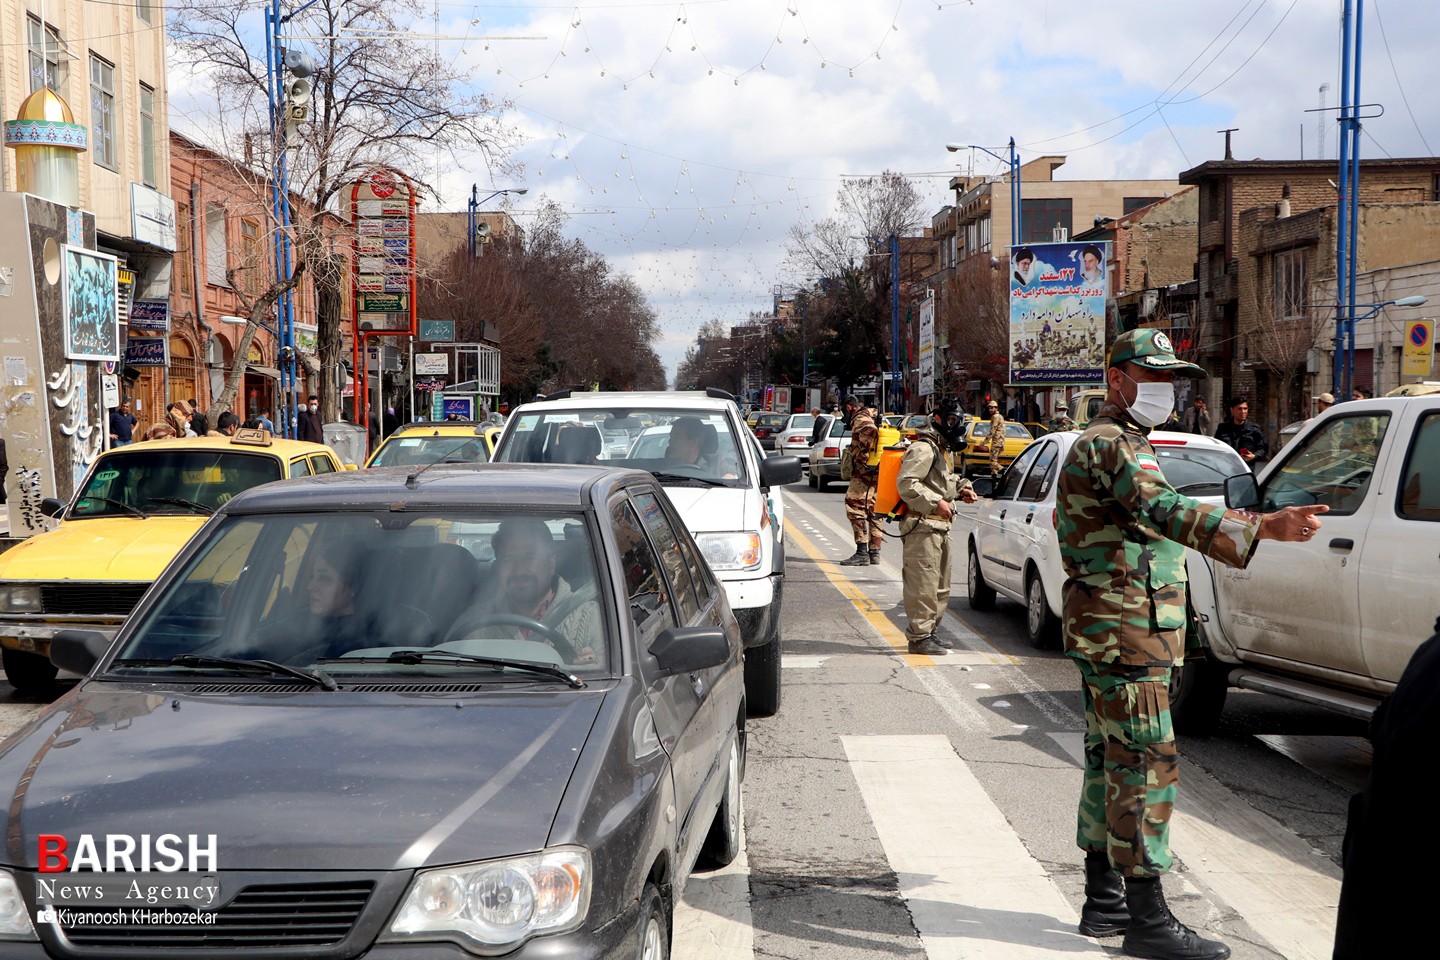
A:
133, 511
1199, 485
411, 657
664, 477
318, 677
182, 502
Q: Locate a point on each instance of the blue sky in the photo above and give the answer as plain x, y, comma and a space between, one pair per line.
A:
686, 138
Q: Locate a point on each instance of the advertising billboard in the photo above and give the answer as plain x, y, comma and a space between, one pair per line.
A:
1057, 312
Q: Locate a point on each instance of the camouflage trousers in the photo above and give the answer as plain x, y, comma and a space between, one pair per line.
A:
860, 510
995, 453
1131, 766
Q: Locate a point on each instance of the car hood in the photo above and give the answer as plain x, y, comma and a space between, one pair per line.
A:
707, 509
321, 780
119, 548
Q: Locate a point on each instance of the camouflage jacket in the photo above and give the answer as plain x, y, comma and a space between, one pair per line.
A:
1123, 532
864, 437
927, 476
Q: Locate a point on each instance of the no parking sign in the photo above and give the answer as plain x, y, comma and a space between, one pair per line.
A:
1419, 348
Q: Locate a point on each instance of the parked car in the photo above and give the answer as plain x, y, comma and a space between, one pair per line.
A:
432, 780
793, 439
434, 441
730, 500
977, 433
825, 454
1014, 550
766, 426
1333, 620
135, 509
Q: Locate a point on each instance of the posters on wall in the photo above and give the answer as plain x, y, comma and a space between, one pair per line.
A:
90, 298
925, 349
1057, 312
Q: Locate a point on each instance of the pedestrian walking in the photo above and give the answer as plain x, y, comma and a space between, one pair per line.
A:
1123, 532
996, 440
1385, 899
929, 488
307, 424
1198, 419
1242, 433
122, 425
264, 420
860, 495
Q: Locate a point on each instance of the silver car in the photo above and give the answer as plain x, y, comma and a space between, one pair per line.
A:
825, 454
793, 439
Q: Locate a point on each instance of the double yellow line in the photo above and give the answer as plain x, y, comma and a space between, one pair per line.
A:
888, 632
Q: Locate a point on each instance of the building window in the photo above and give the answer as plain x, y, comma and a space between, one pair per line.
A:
1040, 218
217, 254
1138, 203
1290, 285
102, 112
47, 57
148, 160
250, 259
184, 266
1213, 199
145, 11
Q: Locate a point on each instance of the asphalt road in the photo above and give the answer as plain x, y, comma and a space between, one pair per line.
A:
904, 806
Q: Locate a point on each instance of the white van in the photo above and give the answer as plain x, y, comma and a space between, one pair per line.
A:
728, 495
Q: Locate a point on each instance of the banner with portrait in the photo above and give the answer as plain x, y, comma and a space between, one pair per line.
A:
90, 299
1057, 312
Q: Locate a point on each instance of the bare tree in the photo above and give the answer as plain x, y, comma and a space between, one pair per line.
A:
380, 97
975, 313
1285, 329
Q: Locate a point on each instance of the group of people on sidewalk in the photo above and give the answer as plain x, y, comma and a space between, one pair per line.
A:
183, 419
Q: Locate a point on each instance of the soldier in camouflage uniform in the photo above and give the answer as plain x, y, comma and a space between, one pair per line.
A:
1123, 532
929, 488
996, 441
860, 495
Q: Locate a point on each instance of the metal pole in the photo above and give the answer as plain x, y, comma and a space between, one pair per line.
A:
1354, 199
474, 207
1014, 195
1342, 222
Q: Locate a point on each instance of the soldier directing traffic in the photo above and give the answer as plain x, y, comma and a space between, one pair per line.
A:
860, 495
1123, 532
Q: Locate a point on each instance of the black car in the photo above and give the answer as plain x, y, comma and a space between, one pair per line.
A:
469, 710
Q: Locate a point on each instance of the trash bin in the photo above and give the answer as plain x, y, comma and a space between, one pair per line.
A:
346, 439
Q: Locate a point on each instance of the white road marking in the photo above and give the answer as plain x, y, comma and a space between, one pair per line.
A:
972, 888
1285, 890
803, 661
713, 920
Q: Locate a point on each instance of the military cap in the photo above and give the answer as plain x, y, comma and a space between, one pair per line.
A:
1150, 349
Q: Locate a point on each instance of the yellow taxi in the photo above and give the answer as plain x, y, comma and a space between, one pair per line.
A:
977, 434
134, 511
437, 441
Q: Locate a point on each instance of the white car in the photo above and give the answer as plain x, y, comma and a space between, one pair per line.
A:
825, 454
1014, 549
730, 500
794, 438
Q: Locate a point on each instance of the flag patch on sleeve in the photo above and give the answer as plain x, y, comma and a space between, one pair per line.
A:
1148, 461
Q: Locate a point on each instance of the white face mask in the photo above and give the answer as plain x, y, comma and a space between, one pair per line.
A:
1154, 402
314, 407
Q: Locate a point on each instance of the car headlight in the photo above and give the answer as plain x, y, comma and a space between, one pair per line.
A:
730, 551
499, 903
14, 918
20, 598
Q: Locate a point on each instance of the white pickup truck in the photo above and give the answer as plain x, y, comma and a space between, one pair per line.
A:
1334, 620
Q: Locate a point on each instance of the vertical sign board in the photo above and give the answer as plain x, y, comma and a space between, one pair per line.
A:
1057, 312
925, 349
1419, 350
382, 276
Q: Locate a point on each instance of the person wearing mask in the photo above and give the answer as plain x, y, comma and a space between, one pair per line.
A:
179, 416
1242, 433
860, 495
122, 425
308, 425
929, 487
1123, 531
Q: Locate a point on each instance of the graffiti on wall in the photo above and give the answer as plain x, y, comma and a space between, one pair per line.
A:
69, 394
27, 505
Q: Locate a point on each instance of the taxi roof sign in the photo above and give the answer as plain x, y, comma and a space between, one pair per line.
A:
252, 437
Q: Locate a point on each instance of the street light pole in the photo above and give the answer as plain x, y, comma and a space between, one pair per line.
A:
1014, 162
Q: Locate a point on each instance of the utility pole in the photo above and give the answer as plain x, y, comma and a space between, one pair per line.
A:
1348, 205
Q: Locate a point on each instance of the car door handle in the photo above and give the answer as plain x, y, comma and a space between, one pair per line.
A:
1030, 516
697, 683
1342, 543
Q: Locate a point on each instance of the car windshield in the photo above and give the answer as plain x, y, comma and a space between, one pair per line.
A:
772, 421
696, 446
170, 481
802, 422
348, 593
1198, 471
407, 451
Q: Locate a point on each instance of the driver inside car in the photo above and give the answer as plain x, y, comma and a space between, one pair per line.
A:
689, 438
529, 587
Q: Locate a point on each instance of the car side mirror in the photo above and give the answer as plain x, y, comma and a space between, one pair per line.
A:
52, 507
778, 471
688, 649
78, 650
983, 486
1242, 492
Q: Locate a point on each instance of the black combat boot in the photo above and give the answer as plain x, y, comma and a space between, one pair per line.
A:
860, 558
1104, 913
1155, 933
874, 554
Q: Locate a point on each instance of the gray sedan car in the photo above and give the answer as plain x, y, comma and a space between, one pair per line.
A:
457, 711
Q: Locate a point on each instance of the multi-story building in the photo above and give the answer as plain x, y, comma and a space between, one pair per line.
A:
107, 62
